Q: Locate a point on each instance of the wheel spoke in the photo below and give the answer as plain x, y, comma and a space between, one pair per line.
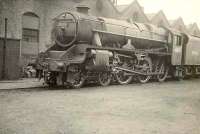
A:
163, 69
146, 65
78, 77
121, 76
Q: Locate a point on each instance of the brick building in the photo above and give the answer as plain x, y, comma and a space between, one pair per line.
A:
159, 19
178, 24
193, 29
31, 21
133, 12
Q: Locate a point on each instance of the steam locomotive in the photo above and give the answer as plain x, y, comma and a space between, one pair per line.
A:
97, 49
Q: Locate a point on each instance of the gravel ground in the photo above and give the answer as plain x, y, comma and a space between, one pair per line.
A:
155, 108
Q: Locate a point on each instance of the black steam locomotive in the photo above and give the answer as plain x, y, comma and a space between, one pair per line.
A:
96, 49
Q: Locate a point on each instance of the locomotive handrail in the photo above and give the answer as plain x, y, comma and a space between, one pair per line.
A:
126, 35
54, 59
125, 27
129, 50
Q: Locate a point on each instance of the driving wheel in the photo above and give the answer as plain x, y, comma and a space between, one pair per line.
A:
78, 77
163, 70
146, 68
123, 77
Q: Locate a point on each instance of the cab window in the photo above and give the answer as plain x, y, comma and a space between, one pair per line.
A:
177, 40
170, 38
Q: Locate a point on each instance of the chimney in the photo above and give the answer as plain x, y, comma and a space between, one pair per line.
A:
83, 9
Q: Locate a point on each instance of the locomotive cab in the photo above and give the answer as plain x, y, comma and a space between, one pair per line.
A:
175, 41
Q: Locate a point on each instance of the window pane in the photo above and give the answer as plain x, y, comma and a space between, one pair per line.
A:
175, 40
30, 35
180, 41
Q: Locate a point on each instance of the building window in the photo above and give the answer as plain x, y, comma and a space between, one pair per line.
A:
30, 35
135, 16
30, 27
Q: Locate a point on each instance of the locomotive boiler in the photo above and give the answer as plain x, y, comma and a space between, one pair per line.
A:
73, 27
88, 48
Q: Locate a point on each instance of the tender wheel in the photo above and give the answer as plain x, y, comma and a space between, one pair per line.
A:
105, 78
78, 77
164, 70
146, 67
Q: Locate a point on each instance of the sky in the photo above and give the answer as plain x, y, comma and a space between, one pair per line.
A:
189, 10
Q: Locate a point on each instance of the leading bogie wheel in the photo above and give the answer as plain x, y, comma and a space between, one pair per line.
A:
104, 78
78, 83
78, 77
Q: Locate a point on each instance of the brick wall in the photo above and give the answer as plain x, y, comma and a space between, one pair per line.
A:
54, 8
12, 64
1, 58
46, 10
